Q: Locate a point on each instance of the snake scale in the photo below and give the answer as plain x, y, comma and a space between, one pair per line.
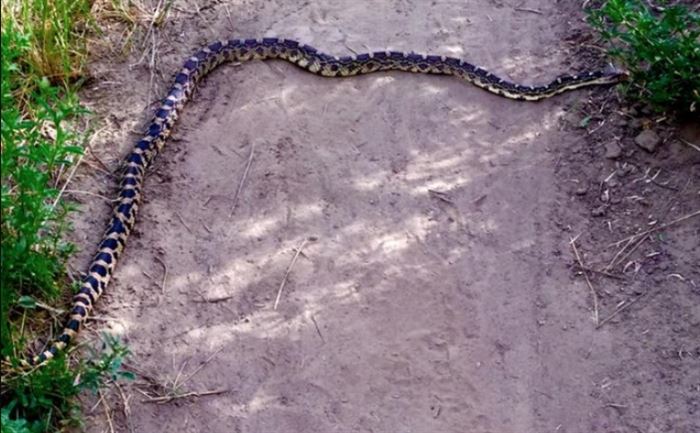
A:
202, 62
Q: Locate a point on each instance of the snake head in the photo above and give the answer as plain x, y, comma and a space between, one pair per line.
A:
612, 74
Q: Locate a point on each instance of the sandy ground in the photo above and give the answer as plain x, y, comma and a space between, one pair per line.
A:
432, 292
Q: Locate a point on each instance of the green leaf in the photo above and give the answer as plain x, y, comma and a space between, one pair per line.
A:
584, 122
27, 302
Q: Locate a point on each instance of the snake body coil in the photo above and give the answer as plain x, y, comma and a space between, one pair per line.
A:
196, 67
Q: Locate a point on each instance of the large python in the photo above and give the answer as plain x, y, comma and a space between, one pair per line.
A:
240, 50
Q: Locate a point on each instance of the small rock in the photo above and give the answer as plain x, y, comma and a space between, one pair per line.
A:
582, 190
635, 123
647, 140
612, 150
598, 212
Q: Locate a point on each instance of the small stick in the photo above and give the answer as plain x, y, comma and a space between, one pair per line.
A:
286, 275
213, 300
631, 250
202, 365
152, 63
614, 259
643, 236
175, 382
65, 185
169, 398
104, 166
534, 11
49, 308
440, 196
596, 271
88, 147
204, 206
107, 412
165, 274
588, 281
126, 409
317, 328
177, 214
228, 16
662, 226
243, 177
694, 146
619, 310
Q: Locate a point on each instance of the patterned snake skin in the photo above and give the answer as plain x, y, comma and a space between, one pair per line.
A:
239, 50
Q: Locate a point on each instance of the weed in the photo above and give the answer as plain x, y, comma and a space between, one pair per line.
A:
54, 38
42, 60
34, 147
107, 366
661, 49
45, 397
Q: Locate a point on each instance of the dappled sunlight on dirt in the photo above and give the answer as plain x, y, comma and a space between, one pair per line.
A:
403, 220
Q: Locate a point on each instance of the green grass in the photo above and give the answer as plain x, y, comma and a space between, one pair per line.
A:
660, 48
43, 58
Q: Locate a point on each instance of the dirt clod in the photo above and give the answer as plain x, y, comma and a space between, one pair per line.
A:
647, 140
612, 150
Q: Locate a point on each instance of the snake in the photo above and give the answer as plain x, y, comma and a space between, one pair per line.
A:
135, 165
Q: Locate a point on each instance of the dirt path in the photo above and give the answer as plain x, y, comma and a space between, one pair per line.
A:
431, 294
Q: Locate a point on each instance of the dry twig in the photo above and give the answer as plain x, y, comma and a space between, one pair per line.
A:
108, 411
318, 330
286, 274
243, 178
620, 309
594, 294
662, 226
165, 274
177, 214
534, 11
168, 398
596, 271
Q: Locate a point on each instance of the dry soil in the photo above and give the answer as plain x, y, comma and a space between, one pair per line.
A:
433, 289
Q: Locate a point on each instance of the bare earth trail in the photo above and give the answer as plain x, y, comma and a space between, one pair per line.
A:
431, 294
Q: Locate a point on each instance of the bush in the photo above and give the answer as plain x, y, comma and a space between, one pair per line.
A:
42, 59
35, 144
660, 49
44, 399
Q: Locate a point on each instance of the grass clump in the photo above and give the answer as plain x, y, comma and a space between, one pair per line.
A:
37, 146
44, 399
43, 57
660, 48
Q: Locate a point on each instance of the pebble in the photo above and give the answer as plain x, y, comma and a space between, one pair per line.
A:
582, 190
635, 123
647, 140
612, 150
